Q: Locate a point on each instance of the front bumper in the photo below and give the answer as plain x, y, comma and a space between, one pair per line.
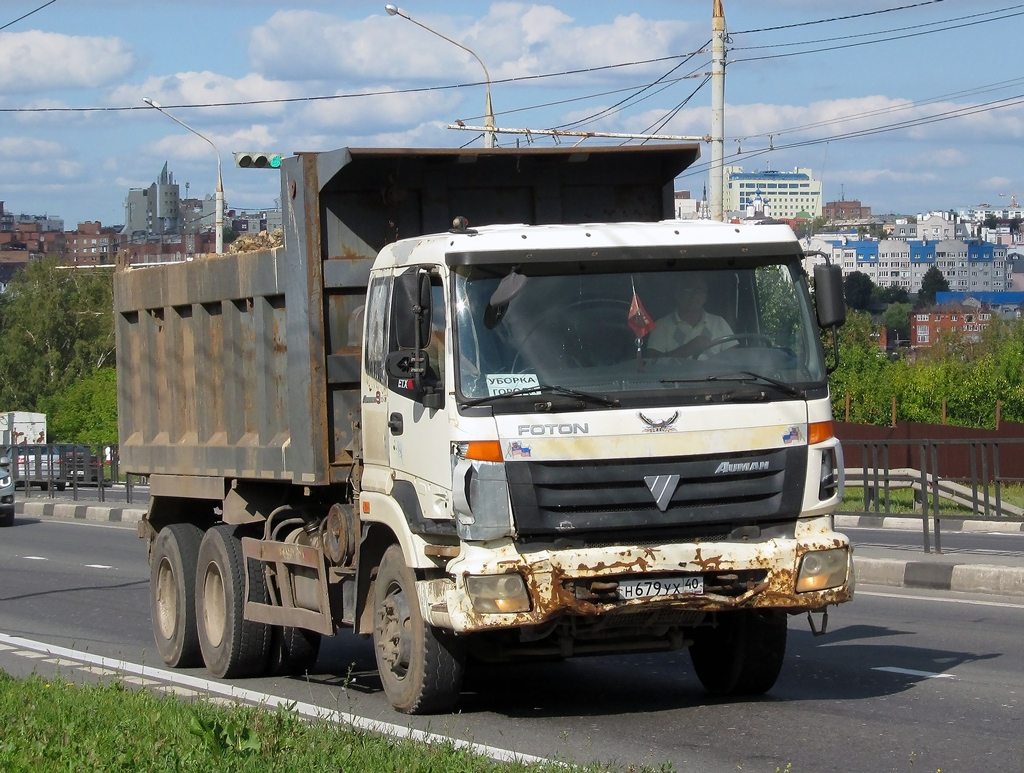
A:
736, 575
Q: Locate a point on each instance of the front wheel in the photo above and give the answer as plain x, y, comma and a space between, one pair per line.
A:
742, 654
421, 667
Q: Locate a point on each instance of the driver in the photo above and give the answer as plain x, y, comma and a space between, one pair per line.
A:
687, 331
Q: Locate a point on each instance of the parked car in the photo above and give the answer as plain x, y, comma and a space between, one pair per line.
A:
40, 465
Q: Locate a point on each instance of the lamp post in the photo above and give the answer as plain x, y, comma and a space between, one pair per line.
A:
219, 222
489, 140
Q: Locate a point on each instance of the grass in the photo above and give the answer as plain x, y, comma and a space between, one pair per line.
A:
901, 501
54, 725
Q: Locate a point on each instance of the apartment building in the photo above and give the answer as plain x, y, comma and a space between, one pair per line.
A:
93, 244
967, 264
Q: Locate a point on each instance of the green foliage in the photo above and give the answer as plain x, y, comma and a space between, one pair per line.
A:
971, 376
857, 287
932, 282
85, 412
891, 294
56, 327
897, 318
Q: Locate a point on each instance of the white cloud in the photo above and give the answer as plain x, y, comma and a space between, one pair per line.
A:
513, 39
189, 147
205, 88
36, 60
29, 158
379, 112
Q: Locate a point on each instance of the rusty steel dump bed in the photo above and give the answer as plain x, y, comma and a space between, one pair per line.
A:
248, 365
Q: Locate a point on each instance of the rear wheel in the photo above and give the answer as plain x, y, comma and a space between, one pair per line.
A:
421, 667
231, 646
7, 519
742, 654
172, 598
293, 651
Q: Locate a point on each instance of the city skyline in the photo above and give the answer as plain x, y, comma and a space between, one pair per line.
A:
924, 85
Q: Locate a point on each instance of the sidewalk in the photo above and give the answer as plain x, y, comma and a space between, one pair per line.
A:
960, 571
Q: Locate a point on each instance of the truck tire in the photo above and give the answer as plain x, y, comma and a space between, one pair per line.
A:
172, 600
293, 651
717, 653
743, 654
765, 651
232, 646
420, 667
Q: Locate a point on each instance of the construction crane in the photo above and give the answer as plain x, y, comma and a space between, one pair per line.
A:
1013, 198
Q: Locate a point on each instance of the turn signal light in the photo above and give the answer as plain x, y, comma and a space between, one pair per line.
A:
819, 432
484, 451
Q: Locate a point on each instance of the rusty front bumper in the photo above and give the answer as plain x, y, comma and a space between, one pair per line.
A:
583, 582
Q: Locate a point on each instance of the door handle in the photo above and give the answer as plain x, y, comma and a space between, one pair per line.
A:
395, 424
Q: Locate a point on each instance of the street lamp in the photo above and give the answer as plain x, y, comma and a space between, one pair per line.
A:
489, 140
219, 221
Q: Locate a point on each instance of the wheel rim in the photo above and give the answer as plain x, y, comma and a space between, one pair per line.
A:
214, 605
394, 632
166, 599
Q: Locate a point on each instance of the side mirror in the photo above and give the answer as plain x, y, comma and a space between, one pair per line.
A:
411, 305
829, 302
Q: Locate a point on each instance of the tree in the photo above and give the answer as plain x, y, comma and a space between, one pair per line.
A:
56, 327
991, 221
932, 282
897, 319
85, 412
892, 294
857, 288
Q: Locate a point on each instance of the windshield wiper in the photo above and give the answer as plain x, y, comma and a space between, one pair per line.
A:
743, 376
561, 390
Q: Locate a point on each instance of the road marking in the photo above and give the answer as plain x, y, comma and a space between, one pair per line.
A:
98, 566
943, 600
912, 672
35, 558
309, 710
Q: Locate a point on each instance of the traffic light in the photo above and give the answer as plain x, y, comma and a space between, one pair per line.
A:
258, 160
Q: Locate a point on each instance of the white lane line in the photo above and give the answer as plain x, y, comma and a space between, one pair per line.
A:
912, 672
35, 558
859, 592
309, 710
98, 566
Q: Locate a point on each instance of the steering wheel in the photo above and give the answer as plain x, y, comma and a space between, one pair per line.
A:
762, 339
598, 320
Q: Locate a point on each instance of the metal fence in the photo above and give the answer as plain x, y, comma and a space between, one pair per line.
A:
62, 467
967, 472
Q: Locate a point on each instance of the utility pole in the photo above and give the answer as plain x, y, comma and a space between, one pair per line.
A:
717, 171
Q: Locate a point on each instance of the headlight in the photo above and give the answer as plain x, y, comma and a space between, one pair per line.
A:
498, 594
821, 569
5, 481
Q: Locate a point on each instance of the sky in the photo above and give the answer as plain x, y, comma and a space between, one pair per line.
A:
906, 105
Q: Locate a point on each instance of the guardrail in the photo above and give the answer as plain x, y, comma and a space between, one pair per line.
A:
58, 467
981, 492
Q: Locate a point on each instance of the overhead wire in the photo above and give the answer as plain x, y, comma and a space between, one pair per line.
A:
26, 15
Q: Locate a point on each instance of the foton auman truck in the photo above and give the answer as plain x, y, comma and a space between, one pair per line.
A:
485, 405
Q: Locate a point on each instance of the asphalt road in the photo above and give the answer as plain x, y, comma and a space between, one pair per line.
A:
903, 681
952, 542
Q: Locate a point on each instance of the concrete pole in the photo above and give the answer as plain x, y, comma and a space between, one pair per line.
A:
717, 171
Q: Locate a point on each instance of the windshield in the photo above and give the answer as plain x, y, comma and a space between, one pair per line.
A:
629, 330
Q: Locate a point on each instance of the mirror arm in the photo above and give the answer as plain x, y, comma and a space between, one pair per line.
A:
835, 348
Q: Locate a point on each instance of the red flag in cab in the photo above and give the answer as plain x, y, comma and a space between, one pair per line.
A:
640, 321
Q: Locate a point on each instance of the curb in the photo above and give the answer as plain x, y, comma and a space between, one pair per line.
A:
81, 511
964, 578
914, 524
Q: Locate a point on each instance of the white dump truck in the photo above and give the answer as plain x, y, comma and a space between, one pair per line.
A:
488, 403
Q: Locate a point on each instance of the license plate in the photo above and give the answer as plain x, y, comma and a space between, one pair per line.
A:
661, 587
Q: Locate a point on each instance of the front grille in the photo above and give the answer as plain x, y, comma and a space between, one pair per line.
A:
580, 497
